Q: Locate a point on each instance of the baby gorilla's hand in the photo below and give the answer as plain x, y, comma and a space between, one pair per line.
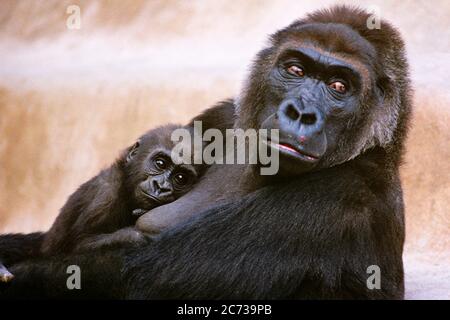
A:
138, 212
128, 236
131, 236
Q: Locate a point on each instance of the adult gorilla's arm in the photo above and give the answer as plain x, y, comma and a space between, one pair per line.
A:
262, 246
267, 246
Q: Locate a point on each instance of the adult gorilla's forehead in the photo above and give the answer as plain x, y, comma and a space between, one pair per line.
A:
330, 37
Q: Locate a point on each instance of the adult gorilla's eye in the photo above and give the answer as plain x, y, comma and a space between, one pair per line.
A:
160, 163
296, 71
338, 86
181, 179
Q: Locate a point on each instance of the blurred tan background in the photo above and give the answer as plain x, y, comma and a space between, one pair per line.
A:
71, 99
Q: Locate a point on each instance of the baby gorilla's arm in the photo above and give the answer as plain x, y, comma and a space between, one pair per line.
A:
128, 235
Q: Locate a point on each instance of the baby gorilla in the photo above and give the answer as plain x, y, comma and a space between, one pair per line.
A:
143, 178
102, 211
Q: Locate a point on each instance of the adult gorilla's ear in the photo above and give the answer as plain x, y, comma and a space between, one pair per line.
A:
133, 151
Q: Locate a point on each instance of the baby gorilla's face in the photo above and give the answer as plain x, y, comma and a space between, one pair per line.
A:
162, 181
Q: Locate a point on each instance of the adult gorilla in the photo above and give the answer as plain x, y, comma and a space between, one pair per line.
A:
339, 93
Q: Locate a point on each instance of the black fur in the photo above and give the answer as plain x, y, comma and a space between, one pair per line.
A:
19, 247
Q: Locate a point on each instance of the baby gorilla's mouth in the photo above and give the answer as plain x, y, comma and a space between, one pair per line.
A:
150, 197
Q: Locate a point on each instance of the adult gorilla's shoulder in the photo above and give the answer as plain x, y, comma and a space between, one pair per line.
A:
339, 94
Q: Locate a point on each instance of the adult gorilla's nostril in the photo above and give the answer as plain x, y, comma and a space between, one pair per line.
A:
292, 112
308, 118
296, 112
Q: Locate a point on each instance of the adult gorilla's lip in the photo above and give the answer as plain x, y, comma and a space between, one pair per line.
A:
296, 152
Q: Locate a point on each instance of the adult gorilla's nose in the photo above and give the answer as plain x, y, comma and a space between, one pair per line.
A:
298, 119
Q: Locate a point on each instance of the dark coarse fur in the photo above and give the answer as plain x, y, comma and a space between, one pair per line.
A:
308, 237
19, 247
101, 205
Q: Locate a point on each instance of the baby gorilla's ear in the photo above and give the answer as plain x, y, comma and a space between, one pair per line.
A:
133, 151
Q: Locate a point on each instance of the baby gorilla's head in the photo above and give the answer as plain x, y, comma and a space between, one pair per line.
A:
152, 177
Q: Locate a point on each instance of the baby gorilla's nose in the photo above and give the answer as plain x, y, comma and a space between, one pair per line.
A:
161, 187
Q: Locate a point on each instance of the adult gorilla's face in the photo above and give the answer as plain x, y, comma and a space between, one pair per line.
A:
319, 87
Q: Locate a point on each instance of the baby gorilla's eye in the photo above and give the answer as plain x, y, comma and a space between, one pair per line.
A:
160, 163
338, 86
181, 179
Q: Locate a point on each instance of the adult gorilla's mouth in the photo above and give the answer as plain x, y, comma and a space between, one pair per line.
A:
293, 151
